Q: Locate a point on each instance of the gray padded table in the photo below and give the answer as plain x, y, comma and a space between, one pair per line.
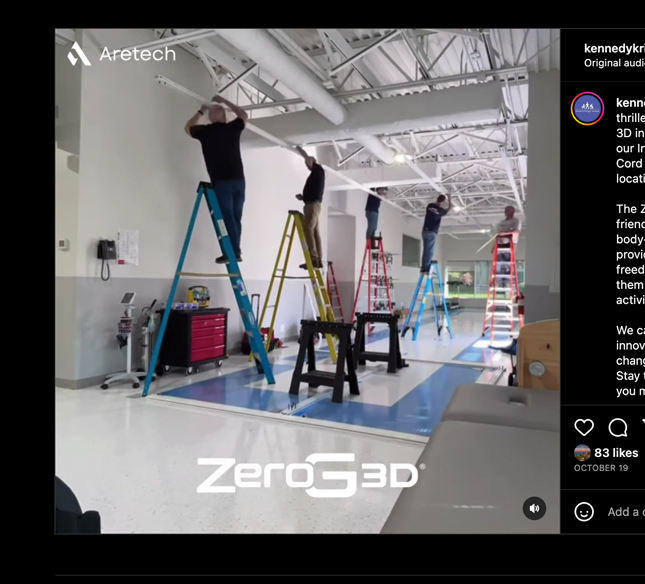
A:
476, 479
537, 409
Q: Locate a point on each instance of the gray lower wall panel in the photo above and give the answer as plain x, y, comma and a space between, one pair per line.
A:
88, 309
65, 328
540, 304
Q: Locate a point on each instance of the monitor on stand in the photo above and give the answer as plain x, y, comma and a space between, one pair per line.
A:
128, 298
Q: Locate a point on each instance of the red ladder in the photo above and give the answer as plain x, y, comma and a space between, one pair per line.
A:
503, 280
332, 291
374, 263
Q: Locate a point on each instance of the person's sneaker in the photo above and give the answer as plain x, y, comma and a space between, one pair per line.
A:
318, 265
238, 259
221, 260
303, 266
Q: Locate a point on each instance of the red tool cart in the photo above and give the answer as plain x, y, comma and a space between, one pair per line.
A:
194, 338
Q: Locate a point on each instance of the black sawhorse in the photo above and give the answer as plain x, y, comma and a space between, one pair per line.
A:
315, 378
393, 356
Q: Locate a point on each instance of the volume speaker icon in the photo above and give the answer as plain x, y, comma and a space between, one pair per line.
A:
534, 508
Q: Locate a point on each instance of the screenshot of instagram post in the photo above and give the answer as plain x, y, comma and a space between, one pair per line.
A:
381, 284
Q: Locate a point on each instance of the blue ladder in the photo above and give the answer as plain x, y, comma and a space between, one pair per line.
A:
428, 288
205, 190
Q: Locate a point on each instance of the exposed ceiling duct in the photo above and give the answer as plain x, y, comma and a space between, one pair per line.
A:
261, 48
468, 104
384, 176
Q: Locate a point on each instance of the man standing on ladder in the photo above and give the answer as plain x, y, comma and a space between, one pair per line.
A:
371, 214
221, 148
510, 223
434, 214
312, 196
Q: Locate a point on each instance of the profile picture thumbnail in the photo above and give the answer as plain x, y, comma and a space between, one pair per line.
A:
582, 452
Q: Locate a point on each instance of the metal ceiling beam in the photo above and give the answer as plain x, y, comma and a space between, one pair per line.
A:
209, 67
239, 78
175, 39
433, 183
366, 51
343, 46
511, 179
236, 67
350, 156
458, 32
418, 53
483, 139
362, 43
431, 148
447, 178
479, 76
539, 51
282, 37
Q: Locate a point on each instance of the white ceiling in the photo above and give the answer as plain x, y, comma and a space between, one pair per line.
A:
472, 164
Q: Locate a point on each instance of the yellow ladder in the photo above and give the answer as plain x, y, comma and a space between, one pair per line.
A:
295, 225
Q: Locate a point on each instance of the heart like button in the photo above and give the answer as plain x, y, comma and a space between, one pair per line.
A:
584, 426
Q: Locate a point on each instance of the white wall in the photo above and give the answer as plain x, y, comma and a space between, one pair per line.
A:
543, 198
341, 241
66, 212
68, 101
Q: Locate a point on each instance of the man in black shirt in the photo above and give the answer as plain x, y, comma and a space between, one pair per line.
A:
371, 212
312, 196
221, 148
434, 213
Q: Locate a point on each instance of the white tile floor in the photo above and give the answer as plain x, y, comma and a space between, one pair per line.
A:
135, 460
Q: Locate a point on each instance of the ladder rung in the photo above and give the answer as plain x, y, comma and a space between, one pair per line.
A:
296, 277
201, 275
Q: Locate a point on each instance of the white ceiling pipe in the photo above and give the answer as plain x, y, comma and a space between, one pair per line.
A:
376, 147
259, 46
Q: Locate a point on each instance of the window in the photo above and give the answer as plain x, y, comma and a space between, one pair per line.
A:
469, 279
411, 252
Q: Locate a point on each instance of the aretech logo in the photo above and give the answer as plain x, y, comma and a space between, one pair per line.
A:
587, 108
135, 54
81, 55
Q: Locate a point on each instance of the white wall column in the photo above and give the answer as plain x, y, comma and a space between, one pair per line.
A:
543, 197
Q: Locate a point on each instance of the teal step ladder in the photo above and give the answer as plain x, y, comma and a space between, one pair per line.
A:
428, 288
205, 190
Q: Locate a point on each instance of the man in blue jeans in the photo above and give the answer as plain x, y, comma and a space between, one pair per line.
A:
434, 214
221, 148
371, 213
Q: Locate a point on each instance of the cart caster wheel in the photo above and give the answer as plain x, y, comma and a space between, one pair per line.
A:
166, 368
104, 386
511, 380
197, 370
218, 364
189, 371
135, 386
152, 379
159, 371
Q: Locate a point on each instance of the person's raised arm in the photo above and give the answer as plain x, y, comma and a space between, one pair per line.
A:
238, 111
193, 121
449, 202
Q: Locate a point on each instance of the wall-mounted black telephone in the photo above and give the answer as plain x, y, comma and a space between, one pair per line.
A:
106, 251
